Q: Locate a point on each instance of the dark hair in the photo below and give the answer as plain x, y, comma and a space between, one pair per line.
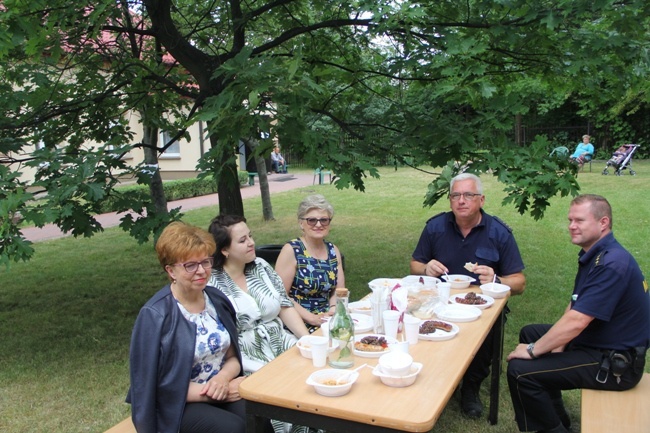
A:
599, 206
220, 230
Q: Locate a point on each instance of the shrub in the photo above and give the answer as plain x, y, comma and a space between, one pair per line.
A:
174, 190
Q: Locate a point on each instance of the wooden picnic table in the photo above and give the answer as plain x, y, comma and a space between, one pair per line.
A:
278, 390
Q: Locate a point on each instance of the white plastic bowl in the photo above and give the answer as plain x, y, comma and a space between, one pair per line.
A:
320, 379
458, 281
360, 307
395, 363
429, 282
304, 345
383, 284
399, 381
495, 290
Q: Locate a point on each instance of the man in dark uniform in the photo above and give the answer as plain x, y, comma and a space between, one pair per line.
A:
601, 339
468, 234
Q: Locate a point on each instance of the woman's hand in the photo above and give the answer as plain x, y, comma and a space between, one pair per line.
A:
233, 389
217, 388
315, 319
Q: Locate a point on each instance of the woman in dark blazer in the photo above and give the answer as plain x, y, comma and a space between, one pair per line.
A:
185, 362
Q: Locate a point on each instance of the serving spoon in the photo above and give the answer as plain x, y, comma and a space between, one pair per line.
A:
347, 376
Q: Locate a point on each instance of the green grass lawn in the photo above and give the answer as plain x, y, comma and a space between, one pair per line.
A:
66, 317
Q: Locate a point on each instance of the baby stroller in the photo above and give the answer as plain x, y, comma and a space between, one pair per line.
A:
622, 159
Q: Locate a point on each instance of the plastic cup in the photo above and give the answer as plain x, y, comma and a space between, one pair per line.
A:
378, 306
443, 293
401, 346
391, 322
319, 351
411, 329
325, 329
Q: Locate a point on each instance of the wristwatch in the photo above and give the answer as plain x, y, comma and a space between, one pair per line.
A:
530, 349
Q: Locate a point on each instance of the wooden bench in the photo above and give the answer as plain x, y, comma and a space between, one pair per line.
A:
612, 411
125, 426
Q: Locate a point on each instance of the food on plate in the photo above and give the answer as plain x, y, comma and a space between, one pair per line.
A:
412, 303
471, 298
332, 382
371, 343
470, 266
430, 326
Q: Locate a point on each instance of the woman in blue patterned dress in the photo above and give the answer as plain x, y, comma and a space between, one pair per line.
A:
310, 266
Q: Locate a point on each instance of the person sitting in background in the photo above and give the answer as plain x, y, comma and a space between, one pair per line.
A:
257, 293
600, 341
278, 164
584, 151
185, 363
310, 267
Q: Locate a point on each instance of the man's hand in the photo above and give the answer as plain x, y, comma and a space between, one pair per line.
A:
485, 273
520, 352
434, 268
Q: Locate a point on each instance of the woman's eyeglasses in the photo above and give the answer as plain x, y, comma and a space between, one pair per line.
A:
313, 221
192, 267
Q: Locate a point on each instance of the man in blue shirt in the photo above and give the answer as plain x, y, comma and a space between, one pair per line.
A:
601, 339
468, 234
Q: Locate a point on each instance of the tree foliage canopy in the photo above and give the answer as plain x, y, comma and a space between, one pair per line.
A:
425, 83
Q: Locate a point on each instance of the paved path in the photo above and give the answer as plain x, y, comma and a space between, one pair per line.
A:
277, 183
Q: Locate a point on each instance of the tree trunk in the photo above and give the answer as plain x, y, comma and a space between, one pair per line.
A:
150, 137
260, 163
518, 138
267, 207
230, 201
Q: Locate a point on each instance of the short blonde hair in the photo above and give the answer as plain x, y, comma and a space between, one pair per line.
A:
314, 201
179, 241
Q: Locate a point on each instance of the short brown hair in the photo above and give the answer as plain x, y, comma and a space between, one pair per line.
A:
179, 241
600, 207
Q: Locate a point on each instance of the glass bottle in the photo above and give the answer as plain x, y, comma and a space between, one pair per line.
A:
342, 333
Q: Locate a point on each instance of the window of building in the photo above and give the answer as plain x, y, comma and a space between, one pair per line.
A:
173, 151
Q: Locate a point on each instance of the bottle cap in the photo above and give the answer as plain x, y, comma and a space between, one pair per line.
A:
342, 293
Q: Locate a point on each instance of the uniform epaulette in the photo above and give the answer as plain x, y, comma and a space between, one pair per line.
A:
436, 216
500, 221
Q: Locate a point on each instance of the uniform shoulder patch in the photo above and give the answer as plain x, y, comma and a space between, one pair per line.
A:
436, 216
500, 221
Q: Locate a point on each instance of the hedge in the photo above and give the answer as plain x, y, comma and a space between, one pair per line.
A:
174, 190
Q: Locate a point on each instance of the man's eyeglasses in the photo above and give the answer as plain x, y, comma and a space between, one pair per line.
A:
469, 196
312, 221
192, 267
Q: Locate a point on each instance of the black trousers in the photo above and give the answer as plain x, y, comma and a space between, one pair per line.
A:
208, 418
535, 383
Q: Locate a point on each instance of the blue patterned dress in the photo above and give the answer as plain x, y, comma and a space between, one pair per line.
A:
315, 279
